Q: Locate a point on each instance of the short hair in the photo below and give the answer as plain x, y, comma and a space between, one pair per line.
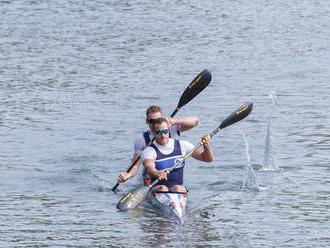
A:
153, 109
158, 121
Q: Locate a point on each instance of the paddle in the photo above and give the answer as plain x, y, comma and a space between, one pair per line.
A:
134, 198
200, 82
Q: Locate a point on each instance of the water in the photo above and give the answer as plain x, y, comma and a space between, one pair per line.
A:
249, 179
76, 77
269, 163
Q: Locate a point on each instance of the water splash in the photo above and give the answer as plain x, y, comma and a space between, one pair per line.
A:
269, 163
104, 187
249, 180
272, 95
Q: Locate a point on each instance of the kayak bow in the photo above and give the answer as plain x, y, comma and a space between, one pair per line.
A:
169, 204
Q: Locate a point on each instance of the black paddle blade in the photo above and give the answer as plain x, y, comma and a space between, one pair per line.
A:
133, 199
239, 114
195, 87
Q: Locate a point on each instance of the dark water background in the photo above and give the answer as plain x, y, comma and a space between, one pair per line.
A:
76, 77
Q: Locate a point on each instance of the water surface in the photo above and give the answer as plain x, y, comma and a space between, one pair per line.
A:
76, 78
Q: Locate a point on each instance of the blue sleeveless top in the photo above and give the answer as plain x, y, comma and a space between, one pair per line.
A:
147, 139
167, 161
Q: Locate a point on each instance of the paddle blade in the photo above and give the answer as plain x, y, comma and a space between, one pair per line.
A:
239, 114
195, 87
133, 199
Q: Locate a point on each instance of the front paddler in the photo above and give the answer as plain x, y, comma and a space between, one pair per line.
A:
164, 151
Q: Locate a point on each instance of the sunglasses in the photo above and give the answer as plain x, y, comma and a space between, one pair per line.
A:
161, 131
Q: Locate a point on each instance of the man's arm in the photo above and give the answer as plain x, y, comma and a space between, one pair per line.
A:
205, 155
185, 123
152, 171
124, 176
139, 146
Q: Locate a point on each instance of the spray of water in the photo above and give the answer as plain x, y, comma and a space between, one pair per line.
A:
269, 163
104, 187
249, 180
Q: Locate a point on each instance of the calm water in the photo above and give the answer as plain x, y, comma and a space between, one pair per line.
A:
75, 79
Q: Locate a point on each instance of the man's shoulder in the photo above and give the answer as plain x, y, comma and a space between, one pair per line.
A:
148, 153
186, 144
175, 130
183, 141
175, 127
139, 143
140, 136
149, 149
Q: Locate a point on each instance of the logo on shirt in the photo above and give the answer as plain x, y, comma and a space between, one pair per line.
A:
179, 162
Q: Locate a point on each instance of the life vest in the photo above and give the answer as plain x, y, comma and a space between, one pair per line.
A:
147, 139
164, 162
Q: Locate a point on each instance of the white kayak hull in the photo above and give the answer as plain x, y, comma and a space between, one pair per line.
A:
171, 205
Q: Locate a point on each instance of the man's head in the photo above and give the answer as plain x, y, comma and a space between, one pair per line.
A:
153, 112
161, 131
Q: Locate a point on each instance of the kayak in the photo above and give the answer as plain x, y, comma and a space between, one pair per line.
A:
170, 204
